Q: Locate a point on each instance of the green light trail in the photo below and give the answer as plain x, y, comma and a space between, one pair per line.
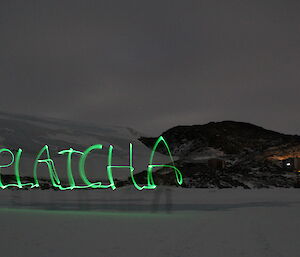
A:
56, 183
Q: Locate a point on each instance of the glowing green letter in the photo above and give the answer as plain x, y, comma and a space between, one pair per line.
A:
69, 166
151, 184
17, 171
82, 168
6, 165
50, 164
130, 167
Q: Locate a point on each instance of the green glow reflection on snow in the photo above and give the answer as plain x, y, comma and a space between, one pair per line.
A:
91, 213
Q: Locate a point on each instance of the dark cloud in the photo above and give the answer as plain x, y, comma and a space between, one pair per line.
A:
152, 64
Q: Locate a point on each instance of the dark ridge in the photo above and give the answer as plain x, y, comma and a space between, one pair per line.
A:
231, 137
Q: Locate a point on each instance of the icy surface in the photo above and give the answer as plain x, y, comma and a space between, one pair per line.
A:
32, 133
173, 222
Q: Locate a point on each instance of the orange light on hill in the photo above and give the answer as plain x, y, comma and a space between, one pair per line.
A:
283, 157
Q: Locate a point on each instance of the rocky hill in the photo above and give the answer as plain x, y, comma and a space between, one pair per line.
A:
251, 154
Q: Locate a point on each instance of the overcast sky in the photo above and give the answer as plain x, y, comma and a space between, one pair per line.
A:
152, 64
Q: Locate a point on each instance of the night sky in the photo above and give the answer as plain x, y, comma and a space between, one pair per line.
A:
153, 64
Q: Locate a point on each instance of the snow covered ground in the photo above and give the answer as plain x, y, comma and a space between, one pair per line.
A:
173, 222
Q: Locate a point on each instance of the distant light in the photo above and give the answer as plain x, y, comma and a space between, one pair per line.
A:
288, 164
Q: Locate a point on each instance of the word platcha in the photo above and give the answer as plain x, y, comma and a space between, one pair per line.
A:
15, 161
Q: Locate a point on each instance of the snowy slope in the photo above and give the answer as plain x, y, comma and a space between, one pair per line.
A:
32, 133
